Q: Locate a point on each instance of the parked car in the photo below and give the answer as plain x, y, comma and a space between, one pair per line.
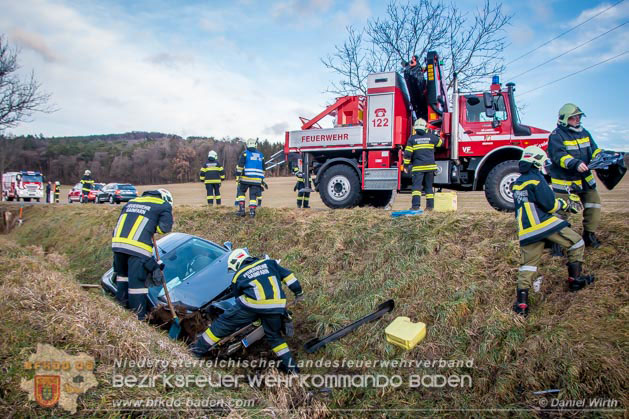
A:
117, 193
95, 192
74, 195
197, 279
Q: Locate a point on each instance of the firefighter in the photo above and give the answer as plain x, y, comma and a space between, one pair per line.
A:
212, 174
48, 190
419, 156
132, 244
250, 174
259, 295
57, 191
86, 185
535, 208
571, 148
303, 198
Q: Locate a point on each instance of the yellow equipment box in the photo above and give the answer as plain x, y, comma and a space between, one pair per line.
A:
404, 333
445, 201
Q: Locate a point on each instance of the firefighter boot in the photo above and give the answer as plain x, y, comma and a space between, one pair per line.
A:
521, 305
576, 280
252, 212
590, 239
241, 209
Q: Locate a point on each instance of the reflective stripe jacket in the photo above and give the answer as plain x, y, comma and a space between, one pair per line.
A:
212, 172
257, 286
250, 168
420, 151
57, 189
535, 203
567, 149
139, 220
87, 183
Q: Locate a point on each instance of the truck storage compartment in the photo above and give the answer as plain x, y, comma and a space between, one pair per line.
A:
381, 179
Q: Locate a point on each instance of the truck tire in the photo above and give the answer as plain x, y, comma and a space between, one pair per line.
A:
498, 185
340, 187
377, 199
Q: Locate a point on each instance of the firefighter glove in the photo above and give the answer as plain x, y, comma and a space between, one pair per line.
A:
574, 203
266, 187
299, 298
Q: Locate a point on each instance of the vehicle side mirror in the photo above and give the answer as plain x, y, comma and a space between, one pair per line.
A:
489, 104
228, 245
495, 123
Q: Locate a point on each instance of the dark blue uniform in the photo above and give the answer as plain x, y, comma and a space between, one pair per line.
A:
212, 175
420, 155
259, 295
132, 243
250, 175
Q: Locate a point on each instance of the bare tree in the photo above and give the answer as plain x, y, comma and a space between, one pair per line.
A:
19, 99
470, 44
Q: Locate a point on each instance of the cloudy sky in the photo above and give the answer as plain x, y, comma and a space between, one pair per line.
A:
251, 68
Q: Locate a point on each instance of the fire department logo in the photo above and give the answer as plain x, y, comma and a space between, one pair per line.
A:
59, 377
47, 389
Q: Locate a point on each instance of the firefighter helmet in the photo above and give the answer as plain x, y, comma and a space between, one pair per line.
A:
57, 183
166, 195
212, 155
252, 142
534, 155
420, 124
236, 258
88, 172
568, 110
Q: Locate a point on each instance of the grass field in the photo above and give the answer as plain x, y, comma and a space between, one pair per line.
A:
453, 271
281, 195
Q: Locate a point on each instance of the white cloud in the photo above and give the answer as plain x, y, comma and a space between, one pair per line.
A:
34, 42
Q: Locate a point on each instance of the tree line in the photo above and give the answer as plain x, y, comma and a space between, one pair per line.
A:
136, 157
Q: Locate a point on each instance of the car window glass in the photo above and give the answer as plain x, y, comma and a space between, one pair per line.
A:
475, 109
189, 258
127, 187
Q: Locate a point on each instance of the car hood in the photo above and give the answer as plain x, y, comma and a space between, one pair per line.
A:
194, 292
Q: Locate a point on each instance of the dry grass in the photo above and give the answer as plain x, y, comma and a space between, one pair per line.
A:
455, 272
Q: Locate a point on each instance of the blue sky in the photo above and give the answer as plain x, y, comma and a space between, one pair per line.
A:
251, 68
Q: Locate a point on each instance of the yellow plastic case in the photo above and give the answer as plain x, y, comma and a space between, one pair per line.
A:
445, 201
404, 333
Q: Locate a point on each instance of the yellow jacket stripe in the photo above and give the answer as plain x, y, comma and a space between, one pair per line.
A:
525, 184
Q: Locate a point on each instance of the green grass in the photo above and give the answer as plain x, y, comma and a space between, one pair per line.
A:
454, 272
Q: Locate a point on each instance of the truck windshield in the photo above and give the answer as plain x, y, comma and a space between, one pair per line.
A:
32, 178
475, 110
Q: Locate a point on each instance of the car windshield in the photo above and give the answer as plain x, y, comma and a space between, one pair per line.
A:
188, 259
31, 178
98, 186
126, 187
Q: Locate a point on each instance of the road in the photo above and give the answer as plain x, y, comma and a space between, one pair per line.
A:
281, 195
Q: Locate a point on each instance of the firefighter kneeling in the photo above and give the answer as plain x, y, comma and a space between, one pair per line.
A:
259, 295
535, 205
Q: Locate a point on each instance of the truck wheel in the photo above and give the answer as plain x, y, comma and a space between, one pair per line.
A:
498, 185
377, 199
27, 199
340, 187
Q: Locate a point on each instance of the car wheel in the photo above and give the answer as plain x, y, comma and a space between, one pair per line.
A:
69, 200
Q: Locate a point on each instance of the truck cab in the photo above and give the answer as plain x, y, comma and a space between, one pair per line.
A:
24, 185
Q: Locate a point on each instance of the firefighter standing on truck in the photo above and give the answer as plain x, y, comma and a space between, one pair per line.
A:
535, 206
132, 244
87, 183
250, 175
419, 156
571, 148
259, 295
57, 191
303, 198
212, 174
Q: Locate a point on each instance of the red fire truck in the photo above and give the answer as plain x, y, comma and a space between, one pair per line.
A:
24, 185
359, 160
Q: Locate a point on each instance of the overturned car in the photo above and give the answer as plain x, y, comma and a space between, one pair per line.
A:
198, 282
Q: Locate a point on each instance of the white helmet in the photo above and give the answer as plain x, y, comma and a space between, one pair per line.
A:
252, 142
236, 258
212, 155
534, 155
57, 183
166, 195
420, 124
88, 172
